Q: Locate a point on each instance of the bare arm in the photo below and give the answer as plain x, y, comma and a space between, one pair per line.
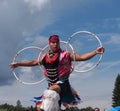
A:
87, 56
25, 63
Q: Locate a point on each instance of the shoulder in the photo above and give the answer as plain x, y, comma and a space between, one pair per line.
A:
42, 56
65, 53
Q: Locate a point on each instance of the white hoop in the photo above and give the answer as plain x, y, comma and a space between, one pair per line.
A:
14, 73
100, 45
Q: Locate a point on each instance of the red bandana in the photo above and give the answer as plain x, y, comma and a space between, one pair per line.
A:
54, 38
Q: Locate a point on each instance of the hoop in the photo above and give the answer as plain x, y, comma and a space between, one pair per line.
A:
15, 74
99, 43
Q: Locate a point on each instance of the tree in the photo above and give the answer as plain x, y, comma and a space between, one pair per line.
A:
18, 104
87, 109
116, 92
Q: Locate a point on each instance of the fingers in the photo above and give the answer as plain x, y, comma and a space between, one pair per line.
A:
13, 65
100, 50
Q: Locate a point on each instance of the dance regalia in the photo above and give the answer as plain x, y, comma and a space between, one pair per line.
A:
58, 67
57, 70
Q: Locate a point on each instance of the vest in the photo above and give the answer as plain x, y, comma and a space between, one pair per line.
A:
59, 70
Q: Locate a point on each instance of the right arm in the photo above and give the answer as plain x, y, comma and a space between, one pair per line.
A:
25, 63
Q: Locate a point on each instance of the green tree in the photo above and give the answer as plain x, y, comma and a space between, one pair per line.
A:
116, 92
3, 110
18, 104
6, 107
87, 109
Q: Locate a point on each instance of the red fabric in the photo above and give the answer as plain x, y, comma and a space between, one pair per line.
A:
52, 60
39, 103
54, 38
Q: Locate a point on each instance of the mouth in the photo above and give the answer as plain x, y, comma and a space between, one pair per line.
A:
55, 47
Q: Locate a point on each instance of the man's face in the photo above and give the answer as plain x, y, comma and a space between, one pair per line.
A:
54, 46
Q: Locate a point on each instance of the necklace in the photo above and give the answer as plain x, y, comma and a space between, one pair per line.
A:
51, 54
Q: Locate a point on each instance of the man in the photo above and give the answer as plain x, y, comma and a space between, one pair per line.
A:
57, 67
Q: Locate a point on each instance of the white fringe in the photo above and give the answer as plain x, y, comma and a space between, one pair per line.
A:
50, 101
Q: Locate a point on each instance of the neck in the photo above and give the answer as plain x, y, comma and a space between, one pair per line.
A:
55, 51
52, 53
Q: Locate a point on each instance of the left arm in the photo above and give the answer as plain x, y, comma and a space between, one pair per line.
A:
87, 56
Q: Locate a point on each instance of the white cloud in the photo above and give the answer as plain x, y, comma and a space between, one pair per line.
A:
115, 39
39, 4
109, 66
40, 41
10, 94
111, 38
17, 23
102, 104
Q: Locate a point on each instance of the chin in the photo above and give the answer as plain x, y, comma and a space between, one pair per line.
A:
56, 49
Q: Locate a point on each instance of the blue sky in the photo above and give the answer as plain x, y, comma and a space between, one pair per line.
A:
27, 22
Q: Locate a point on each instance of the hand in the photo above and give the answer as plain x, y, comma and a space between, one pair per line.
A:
100, 50
13, 65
